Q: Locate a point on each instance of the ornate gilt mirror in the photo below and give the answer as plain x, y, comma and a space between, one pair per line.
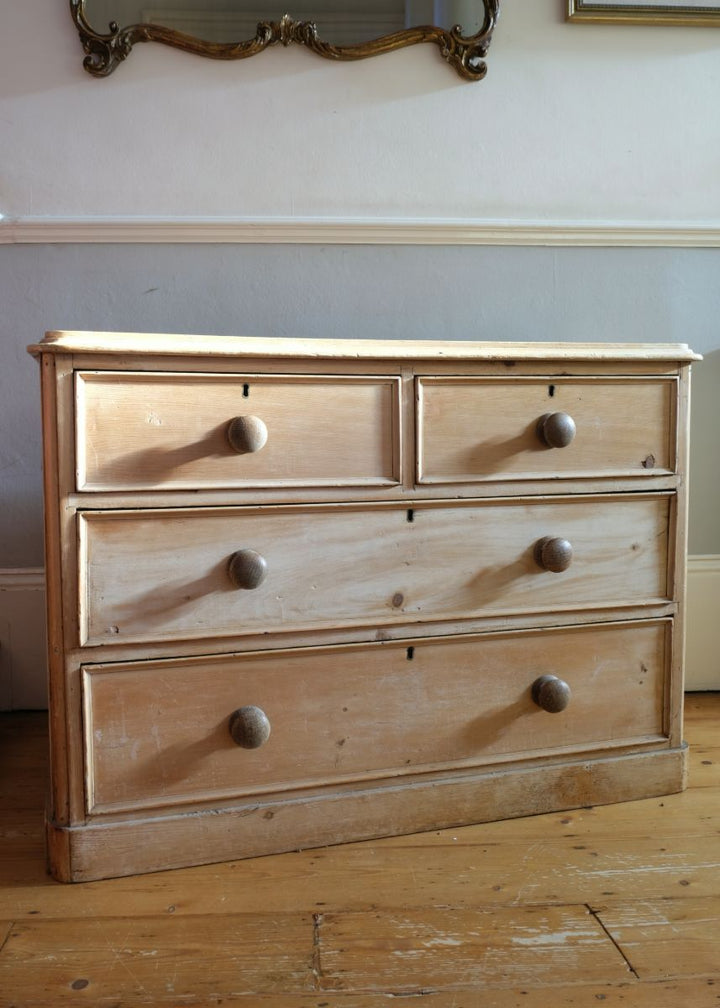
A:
335, 29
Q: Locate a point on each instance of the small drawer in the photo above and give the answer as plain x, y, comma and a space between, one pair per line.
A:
152, 575
159, 733
137, 431
485, 429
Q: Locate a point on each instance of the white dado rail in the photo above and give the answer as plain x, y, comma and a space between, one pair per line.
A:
357, 231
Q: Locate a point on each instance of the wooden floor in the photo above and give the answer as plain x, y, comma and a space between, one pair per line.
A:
617, 905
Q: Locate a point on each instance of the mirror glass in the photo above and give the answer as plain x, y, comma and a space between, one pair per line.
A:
339, 22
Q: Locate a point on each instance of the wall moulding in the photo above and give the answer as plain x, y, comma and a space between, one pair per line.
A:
348, 231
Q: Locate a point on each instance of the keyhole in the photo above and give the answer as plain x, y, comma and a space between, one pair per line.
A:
410, 653
246, 390
551, 390
410, 515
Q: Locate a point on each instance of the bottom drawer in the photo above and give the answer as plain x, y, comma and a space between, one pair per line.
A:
157, 733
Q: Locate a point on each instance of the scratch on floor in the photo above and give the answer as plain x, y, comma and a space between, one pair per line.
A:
116, 953
316, 965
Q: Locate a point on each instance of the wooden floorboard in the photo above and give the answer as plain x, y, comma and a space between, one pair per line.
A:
159, 959
462, 949
616, 905
667, 937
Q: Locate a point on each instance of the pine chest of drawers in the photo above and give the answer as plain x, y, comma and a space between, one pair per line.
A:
304, 592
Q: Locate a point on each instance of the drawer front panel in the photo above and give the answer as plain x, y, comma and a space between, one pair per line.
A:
149, 431
472, 429
158, 732
165, 575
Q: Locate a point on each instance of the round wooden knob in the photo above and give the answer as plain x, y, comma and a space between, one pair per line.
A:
553, 554
247, 569
249, 727
551, 693
556, 430
246, 434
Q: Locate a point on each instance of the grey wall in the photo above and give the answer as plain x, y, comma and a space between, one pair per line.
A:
412, 292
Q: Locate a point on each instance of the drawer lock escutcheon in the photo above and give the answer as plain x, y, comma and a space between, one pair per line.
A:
247, 569
246, 434
553, 554
249, 727
556, 430
551, 693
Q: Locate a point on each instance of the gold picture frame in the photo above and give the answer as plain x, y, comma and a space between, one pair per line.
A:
637, 12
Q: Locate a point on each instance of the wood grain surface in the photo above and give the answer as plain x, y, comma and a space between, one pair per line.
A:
487, 429
616, 905
73, 341
137, 432
162, 574
359, 713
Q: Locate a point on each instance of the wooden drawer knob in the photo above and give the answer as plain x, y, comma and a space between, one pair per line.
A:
556, 430
553, 554
246, 434
247, 569
551, 693
249, 727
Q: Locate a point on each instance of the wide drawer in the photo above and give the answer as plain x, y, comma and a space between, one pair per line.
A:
207, 572
482, 429
158, 733
137, 431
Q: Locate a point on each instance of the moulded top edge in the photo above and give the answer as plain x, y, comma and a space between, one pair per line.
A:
167, 344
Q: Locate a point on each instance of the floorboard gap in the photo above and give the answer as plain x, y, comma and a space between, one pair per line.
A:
596, 915
6, 936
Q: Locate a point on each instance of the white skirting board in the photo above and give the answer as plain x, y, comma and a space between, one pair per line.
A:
22, 633
702, 645
23, 660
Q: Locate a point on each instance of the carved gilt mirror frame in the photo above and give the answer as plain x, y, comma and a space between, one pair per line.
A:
107, 49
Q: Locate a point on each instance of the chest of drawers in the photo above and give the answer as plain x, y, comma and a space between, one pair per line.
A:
306, 592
